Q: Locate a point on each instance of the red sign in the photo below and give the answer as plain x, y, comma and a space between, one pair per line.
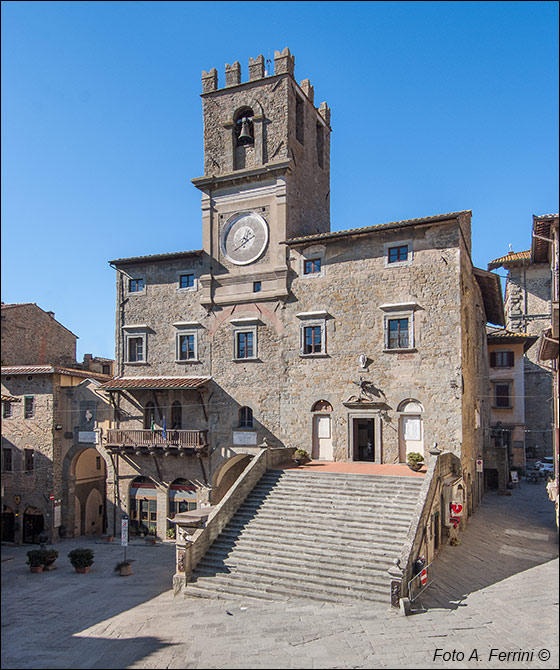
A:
51, 497
424, 577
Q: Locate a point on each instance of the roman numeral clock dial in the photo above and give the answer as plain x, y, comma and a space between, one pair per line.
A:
244, 238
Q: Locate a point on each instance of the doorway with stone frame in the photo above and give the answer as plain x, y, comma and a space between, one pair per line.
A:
364, 436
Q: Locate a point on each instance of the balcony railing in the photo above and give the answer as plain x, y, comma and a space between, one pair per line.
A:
156, 438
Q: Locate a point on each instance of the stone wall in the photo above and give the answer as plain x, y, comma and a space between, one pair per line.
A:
31, 336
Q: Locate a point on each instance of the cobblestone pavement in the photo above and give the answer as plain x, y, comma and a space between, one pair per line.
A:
497, 591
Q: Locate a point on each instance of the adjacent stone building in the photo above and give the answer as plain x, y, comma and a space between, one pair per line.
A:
528, 311
356, 345
53, 478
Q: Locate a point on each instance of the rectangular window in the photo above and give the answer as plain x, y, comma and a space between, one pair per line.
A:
397, 334
6, 409
106, 369
28, 455
28, 407
311, 266
98, 462
187, 351
257, 287
397, 254
186, 281
320, 144
135, 349
244, 344
135, 285
501, 359
7, 460
502, 396
312, 340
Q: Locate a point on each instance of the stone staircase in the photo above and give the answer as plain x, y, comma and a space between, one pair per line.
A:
328, 537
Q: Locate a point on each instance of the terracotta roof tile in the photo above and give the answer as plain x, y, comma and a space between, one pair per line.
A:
512, 257
122, 383
49, 370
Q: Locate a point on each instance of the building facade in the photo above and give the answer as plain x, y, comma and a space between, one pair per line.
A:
358, 345
53, 477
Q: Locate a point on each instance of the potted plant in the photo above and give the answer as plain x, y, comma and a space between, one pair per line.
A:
171, 533
301, 456
151, 537
81, 559
123, 568
52, 555
414, 460
36, 559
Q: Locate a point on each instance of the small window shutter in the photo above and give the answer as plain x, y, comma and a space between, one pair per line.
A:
492, 359
510, 359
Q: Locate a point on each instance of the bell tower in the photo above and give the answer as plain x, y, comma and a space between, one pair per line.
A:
266, 177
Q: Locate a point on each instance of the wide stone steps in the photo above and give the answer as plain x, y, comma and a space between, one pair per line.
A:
328, 537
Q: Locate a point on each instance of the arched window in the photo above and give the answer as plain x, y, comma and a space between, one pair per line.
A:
322, 406
244, 133
245, 417
182, 496
149, 415
176, 415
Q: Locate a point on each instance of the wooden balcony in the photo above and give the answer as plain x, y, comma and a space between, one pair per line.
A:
141, 442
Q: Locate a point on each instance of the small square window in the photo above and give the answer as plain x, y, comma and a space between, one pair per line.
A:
502, 396
398, 254
257, 287
311, 266
135, 285
187, 347
312, 340
186, 281
7, 460
135, 349
106, 369
397, 331
501, 359
28, 407
244, 344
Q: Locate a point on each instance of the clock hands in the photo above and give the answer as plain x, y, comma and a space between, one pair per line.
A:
244, 241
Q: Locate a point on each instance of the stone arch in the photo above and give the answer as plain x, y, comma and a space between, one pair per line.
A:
322, 406
94, 510
72, 470
142, 506
226, 474
411, 427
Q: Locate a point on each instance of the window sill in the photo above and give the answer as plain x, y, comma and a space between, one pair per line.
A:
314, 355
400, 351
136, 363
247, 360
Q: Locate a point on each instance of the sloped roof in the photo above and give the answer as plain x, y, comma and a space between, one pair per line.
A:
439, 218
503, 336
157, 257
50, 370
513, 258
154, 383
541, 237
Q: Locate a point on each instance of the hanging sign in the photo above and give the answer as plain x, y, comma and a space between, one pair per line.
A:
124, 531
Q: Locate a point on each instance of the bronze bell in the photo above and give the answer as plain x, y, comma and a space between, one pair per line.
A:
245, 135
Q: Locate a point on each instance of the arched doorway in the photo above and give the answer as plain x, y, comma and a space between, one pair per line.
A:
33, 524
8, 524
94, 513
322, 444
183, 497
143, 506
411, 430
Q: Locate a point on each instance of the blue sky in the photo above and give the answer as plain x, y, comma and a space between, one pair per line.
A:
436, 107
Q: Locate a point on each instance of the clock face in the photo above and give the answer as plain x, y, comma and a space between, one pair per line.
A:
244, 238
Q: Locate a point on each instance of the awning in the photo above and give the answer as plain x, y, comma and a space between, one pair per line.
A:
548, 346
154, 383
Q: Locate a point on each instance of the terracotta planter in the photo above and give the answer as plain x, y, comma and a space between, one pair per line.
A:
415, 466
36, 568
125, 571
83, 571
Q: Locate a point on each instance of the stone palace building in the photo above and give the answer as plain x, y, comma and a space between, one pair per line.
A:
357, 345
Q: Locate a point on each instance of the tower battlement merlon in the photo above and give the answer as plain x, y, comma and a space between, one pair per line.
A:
309, 91
256, 68
233, 74
209, 80
284, 62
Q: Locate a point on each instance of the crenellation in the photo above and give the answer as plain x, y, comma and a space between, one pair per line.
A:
256, 68
233, 74
325, 112
209, 80
284, 62
306, 87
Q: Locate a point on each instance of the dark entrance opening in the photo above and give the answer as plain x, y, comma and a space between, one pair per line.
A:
33, 524
364, 440
491, 478
8, 525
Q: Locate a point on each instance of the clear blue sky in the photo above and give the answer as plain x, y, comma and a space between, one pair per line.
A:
436, 107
